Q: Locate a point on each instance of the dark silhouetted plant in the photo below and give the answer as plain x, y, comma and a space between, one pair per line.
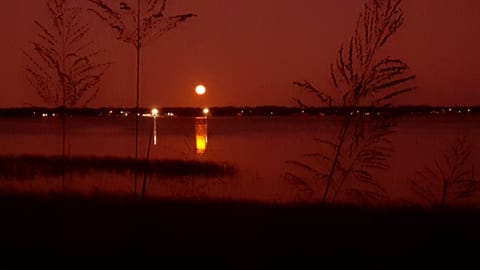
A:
61, 66
451, 179
360, 77
137, 22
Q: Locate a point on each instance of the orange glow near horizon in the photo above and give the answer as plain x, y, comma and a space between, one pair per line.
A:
155, 112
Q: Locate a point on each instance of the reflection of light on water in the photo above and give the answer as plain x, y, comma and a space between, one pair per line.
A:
155, 113
155, 131
201, 138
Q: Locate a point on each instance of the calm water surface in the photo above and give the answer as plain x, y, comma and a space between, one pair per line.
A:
258, 146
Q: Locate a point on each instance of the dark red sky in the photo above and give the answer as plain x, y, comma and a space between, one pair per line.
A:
248, 52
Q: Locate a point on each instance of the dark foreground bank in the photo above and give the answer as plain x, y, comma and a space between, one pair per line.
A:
57, 226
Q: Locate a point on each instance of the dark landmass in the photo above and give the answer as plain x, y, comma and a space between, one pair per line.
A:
54, 226
240, 111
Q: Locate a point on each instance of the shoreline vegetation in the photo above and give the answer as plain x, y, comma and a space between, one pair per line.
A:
73, 225
241, 111
32, 166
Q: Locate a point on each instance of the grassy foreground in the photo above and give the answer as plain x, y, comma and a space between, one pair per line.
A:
57, 226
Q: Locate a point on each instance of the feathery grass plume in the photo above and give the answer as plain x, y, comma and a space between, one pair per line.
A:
452, 178
61, 64
137, 22
360, 77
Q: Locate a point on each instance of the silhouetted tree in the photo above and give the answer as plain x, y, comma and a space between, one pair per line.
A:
137, 22
361, 77
451, 179
61, 66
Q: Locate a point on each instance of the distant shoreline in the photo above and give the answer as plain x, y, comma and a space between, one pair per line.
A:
241, 111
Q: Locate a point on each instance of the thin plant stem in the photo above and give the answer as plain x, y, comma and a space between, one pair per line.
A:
64, 103
60, 68
137, 110
64, 122
336, 159
146, 26
144, 184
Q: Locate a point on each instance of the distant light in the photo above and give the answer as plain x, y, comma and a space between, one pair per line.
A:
200, 90
449, 109
206, 111
53, 114
44, 114
155, 112
469, 110
367, 113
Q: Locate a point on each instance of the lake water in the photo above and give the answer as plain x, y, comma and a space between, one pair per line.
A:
258, 146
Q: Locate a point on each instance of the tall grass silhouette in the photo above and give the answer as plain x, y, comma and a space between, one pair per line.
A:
62, 66
360, 77
138, 23
451, 179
